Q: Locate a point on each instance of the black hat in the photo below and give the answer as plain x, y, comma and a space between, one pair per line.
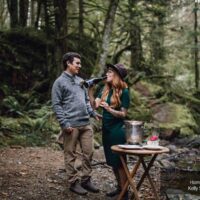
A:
119, 68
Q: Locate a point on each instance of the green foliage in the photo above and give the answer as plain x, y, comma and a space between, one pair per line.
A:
139, 109
36, 130
19, 104
153, 88
12, 105
10, 125
23, 55
29, 65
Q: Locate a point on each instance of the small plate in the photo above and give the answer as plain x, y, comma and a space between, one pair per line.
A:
129, 146
151, 147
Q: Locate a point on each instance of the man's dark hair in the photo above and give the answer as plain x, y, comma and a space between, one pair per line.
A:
70, 58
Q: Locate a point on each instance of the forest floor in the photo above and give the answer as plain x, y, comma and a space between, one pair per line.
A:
38, 174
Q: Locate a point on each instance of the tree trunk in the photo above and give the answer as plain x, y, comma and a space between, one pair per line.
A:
109, 21
23, 12
3, 14
196, 47
156, 36
13, 10
46, 17
135, 37
81, 29
61, 24
39, 5
32, 13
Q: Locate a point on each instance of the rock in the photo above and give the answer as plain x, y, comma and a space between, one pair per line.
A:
172, 148
167, 164
194, 142
168, 134
173, 119
179, 194
181, 141
164, 142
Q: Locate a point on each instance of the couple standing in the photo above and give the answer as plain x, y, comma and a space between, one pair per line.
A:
73, 109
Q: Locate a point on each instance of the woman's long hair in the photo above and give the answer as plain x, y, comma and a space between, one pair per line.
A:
117, 85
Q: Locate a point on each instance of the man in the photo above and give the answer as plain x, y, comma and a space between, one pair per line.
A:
72, 108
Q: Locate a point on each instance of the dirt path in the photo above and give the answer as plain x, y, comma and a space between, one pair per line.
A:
38, 174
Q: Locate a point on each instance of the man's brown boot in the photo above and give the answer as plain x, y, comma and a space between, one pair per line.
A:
77, 188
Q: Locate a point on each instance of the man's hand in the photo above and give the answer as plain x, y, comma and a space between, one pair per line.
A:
98, 117
68, 130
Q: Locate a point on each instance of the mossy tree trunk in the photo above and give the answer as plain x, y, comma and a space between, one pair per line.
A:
157, 52
157, 34
135, 37
81, 22
109, 21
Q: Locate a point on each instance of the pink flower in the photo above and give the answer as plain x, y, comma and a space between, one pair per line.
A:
153, 138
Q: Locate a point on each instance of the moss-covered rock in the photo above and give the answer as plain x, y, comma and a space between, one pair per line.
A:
149, 103
175, 117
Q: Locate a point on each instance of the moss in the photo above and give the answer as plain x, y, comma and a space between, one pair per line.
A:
154, 89
138, 109
186, 131
181, 118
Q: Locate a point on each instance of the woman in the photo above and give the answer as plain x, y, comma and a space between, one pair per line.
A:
114, 99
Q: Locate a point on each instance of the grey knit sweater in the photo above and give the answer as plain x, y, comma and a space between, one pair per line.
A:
70, 101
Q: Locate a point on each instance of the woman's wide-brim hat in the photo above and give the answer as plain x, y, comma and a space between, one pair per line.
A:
119, 68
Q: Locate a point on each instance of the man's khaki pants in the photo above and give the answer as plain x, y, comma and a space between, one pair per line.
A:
84, 136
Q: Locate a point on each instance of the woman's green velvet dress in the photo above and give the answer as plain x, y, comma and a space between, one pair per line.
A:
113, 129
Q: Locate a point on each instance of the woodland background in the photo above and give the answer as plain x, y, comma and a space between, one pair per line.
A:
158, 40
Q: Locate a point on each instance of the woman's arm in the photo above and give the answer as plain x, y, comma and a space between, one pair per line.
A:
95, 103
120, 114
116, 113
91, 97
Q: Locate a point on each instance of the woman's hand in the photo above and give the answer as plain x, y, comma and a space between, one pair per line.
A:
105, 106
117, 113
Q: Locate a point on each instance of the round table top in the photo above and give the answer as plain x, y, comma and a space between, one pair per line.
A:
120, 150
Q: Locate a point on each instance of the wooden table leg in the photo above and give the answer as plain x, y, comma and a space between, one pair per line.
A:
150, 180
129, 179
146, 173
147, 169
133, 172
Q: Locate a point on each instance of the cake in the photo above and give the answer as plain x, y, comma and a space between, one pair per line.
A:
153, 141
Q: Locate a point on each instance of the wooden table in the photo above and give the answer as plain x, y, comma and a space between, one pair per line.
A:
140, 153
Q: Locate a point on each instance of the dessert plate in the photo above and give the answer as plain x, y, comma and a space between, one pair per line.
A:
151, 147
129, 146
